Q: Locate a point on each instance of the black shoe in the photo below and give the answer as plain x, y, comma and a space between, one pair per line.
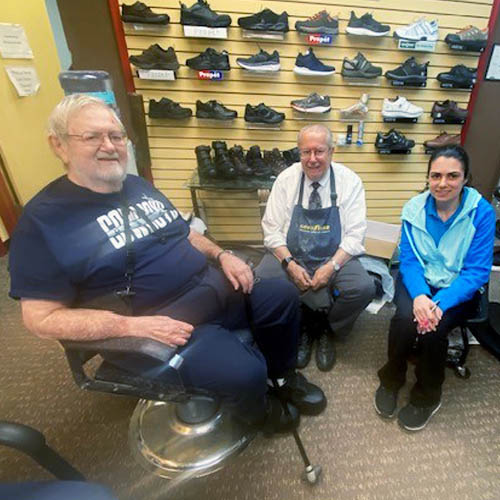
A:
276, 161
459, 76
321, 23
214, 110
393, 141
410, 72
154, 57
166, 108
237, 156
200, 14
265, 20
386, 402
415, 418
308, 398
360, 67
256, 163
305, 348
291, 156
262, 114
223, 165
262, 61
325, 351
277, 421
210, 59
141, 13
366, 25
206, 167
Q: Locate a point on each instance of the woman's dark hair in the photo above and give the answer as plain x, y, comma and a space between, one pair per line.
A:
456, 152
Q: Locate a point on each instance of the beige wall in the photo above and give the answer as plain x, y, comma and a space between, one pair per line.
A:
28, 159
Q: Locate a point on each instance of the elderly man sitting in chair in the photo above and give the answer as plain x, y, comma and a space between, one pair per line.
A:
99, 254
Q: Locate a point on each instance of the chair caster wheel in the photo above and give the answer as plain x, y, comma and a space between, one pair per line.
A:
312, 474
462, 372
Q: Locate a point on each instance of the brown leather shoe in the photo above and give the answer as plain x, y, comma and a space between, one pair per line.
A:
448, 110
443, 139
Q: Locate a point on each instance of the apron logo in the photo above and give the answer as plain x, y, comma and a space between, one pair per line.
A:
316, 228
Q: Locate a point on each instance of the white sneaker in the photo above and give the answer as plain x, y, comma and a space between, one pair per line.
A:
420, 30
400, 107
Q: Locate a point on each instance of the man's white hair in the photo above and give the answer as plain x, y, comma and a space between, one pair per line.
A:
316, 129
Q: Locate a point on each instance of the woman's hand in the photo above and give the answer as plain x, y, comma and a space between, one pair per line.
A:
427, 314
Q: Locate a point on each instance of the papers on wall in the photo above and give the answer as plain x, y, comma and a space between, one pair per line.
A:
13, 42
24, 79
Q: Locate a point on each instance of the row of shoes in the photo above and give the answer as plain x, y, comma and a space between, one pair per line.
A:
395, 141
234, 162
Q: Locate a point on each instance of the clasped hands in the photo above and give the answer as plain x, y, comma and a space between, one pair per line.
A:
303, 280
427, 314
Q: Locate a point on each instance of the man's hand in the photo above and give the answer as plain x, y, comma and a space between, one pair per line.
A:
162, 328
426, 313
299, 276
237, 272
322, 276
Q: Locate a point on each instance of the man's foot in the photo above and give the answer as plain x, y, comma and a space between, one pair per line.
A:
325, 351
386, 402
304, 351
308, 398
277, 420
415, 418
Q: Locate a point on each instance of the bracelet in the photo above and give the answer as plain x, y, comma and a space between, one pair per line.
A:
220, 254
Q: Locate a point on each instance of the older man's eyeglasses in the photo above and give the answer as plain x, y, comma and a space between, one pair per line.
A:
97, 138
318, 153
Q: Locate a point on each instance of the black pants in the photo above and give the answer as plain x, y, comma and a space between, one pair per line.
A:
431, 349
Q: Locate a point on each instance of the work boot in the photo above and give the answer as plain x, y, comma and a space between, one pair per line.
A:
237, 156
279, 163
206, 167
304, 351
325, 348
223, 164
291, 156
256, 162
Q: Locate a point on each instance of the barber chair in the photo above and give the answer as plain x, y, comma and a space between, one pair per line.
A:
173, 432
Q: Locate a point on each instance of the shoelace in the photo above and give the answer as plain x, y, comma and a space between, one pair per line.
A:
318, 15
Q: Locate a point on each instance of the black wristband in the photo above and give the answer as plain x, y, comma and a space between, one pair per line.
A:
286, 261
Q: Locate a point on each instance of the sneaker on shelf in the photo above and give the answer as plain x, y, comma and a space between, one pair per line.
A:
309, 64
448, 110
166, 108
360, 67
262, 61
400, 107
443, 139
200, 14
313, 103
256, 163
262, 114
214, 110
421, 30
291, 156
223, 164
366, 25
357, 111
140, 13
459, 75
154, 57
321, 23
237, 156
266, 20
410, 72
415, 418
206, 166
393, 141
386, 402
470, 37
210, 59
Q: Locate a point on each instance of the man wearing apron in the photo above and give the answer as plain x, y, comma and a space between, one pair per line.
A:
314, 226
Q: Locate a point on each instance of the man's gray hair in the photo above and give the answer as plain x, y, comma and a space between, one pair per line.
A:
317, 128
60, 116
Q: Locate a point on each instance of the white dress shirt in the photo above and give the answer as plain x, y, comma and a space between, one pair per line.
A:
350, 200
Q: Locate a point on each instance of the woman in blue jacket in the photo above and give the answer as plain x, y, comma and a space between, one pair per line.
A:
446, 253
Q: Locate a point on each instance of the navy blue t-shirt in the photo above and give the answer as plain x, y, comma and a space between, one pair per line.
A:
69, 245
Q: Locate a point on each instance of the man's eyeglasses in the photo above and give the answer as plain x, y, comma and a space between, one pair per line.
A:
319, 153
97, 138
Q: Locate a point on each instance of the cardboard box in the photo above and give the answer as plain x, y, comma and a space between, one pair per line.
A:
381, 238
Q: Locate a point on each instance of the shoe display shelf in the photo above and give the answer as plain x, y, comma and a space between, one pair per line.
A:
139, 28
416, 46
262, 126
448, 121
204, 32
212, 75
262, 35
400, 83
360, 82
212, 122
456, 46
311, 117
156, 74
457, 86
383, 151
256, 73
402, 119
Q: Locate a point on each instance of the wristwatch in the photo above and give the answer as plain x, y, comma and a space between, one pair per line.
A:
286, 261
336, 267
220, 254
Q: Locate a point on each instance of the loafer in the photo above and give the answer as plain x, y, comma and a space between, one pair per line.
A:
304, 351
386, 402
415, 418
277, 420
325, 352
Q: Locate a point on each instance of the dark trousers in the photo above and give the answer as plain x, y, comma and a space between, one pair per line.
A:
430, 349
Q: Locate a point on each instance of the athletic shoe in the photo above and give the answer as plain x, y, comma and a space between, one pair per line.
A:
309, 64
357, 111
420, 30
409, 72
210, 59
393, 141
141, 13
448, 110
400, 107
265, 20
366, 25
154, 57
262, 61
200, 14
166, 108
313, 103
443, 139
321, 23
470, 37
386, 402
214, 110
415, 418
262, 114
459, 76
360, 67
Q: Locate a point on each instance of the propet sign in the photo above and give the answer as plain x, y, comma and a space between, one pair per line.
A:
319, 39
210, 75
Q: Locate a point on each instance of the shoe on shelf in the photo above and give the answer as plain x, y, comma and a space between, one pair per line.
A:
277, 420
275, 161
326, 354
210, 59
154, 57
357, 111
443, 139
386, 402
321, 23
448, 110
223, 165
400, 107
291, 156
459, 75
420, 30
410, 71
415, 418
214, 110
200, 14
360, 67
309, 64
237, 156
393, 141
266, 20
206, 166
366, 25
262, 61
166, 108
469, 37
313, 103
256, 163
262, 114
140, 13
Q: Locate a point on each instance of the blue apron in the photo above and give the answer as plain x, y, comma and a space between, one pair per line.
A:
314, 234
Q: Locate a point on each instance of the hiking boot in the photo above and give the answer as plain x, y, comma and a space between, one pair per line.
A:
357, 111
237, 156
386, 402
393, 141
200, 14
210, 59
443, 139
275, 161
141, 13
214, 110
409, 72
262, 61
154, 57
360, 67
470, 37
420, 30
265, 20
309, 64
321, 23
400, 107
313, 103
459, 76
262, 114
291, 156
448, 110
277, 420
415, 418
366, 25
206, 167
256, 162
166, 108
223, 165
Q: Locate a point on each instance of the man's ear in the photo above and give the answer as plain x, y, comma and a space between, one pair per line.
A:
59, 147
